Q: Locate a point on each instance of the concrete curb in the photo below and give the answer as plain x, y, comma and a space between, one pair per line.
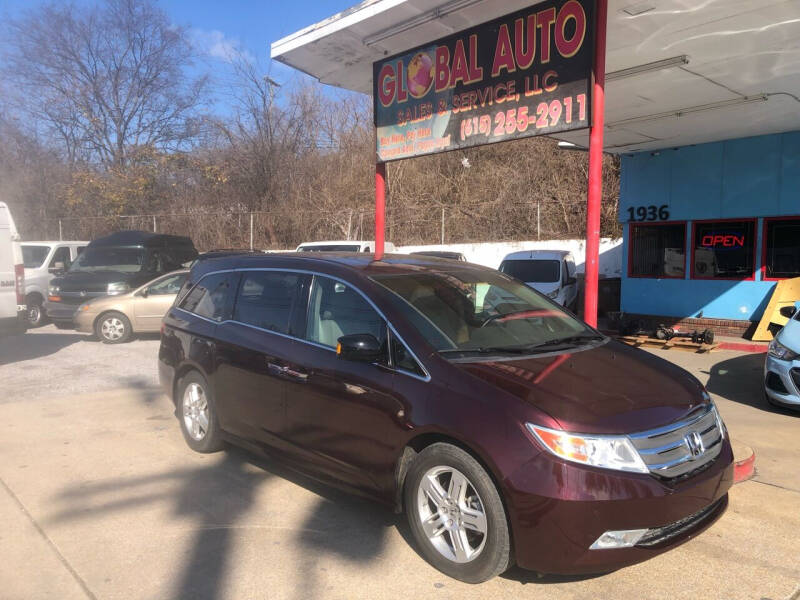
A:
744, 461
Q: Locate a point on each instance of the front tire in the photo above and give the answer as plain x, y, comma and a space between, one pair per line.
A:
456, 514
35, 314
113, 328
198, 415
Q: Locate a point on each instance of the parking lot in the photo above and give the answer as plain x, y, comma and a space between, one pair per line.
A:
101, 498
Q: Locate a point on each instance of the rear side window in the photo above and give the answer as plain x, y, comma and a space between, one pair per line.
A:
270, 300
336, 309
33, 256
212, 297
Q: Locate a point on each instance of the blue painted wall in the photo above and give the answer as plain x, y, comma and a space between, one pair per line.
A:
742, 178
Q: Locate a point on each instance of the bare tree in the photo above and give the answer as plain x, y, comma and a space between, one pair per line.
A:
105, 80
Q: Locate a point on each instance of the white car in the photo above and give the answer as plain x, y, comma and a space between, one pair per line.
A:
551, 272
12, 276
343, 246
44, 261
782, 365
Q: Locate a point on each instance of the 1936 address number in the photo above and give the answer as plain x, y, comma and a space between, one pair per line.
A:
650, 212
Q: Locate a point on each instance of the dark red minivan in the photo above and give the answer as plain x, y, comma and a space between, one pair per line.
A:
506, 429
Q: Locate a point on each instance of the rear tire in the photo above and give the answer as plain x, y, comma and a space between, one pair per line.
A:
113, 328
456, 514
197, 414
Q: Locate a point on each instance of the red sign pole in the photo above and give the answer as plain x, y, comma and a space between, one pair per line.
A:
380, 207
595, 167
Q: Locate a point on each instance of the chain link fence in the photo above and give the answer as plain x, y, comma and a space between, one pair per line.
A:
266, 230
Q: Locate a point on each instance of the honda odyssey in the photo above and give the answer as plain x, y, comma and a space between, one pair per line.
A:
508, 431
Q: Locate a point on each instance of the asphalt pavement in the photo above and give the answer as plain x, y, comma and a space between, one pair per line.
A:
101, 498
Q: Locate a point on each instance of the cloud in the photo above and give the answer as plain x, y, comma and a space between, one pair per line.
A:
215, 44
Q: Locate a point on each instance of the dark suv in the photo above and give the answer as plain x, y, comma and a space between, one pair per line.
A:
506, 429
112, 265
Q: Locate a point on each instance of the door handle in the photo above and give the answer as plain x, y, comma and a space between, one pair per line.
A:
287, 371
298, 375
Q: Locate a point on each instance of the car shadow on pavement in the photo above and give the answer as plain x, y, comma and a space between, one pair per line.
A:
741, 379
215, 498
148, 391
338, 528
19, 348
523, 576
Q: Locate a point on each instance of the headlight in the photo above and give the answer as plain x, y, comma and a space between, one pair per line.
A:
723, 429
118, 288
553, 294
84, 307
53, 290
604, 451
780, 351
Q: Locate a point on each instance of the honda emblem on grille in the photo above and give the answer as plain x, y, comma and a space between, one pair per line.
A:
694, 442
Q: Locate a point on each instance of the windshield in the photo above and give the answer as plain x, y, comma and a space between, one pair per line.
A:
110, 258
33, 256
331, 248
540, 271
467, 311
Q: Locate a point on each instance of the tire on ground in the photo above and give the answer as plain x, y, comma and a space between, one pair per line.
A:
113, 328
496, 556
212, 439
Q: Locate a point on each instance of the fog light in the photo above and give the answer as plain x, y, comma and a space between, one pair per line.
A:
618, 539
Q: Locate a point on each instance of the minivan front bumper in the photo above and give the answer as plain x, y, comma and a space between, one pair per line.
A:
59, 312
558, 510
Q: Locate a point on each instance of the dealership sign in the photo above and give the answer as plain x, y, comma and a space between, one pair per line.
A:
525, 74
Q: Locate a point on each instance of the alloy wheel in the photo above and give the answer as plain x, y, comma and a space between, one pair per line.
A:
34, 314
112, 329
452, 514
195, 411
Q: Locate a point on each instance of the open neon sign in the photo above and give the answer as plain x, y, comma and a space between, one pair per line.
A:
722, 240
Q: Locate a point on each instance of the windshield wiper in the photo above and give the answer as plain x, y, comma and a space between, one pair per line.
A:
574, 339
486, 350
570, 340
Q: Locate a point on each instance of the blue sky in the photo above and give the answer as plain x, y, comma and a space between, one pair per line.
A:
219, 26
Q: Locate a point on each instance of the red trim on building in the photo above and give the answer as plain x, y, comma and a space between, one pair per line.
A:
631, 226
764, 246
752, 276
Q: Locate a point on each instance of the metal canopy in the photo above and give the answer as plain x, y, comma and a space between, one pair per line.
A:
679, 71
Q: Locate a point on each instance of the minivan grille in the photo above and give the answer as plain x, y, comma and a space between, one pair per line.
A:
682, 447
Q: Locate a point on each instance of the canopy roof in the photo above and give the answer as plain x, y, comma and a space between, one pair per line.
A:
731, 68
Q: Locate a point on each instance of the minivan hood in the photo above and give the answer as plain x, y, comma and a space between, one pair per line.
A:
612, 388
97, 281
544, 287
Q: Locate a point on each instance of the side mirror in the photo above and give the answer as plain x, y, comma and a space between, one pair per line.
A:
788, 311
359, 347
145, 293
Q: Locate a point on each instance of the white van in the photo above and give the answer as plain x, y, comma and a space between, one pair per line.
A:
12, 277
343, 246
551, 272
44, 261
